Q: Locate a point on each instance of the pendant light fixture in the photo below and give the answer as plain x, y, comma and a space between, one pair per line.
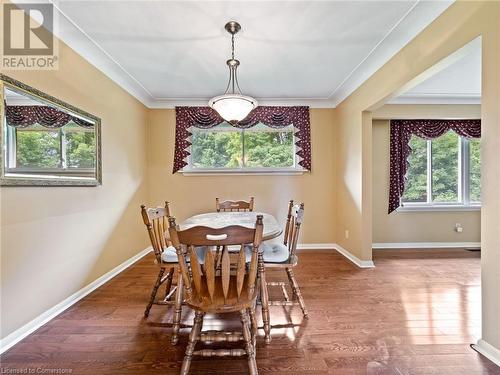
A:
233, 106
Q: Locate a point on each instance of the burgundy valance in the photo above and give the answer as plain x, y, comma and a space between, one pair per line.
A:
401, 132
274, 117
22, 116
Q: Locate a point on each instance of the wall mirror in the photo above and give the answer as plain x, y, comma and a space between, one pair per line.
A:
45, 141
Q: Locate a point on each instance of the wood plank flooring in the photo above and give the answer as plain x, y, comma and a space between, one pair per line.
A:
415, 313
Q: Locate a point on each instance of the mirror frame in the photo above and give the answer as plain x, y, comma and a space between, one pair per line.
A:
7, 82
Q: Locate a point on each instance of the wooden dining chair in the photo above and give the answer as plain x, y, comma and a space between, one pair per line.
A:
234, 206
282, 255
209, 289
156, 221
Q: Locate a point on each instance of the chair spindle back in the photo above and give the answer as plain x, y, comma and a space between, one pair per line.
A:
292, 226
156, 221
214, 285
234, 206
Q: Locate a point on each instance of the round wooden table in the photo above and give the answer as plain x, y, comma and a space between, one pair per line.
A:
245, 219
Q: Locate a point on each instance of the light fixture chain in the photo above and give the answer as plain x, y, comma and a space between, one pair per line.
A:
232, 46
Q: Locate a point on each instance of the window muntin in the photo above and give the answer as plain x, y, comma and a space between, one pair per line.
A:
226, 148
443, 172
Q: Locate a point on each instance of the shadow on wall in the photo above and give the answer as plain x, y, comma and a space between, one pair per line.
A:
118, 247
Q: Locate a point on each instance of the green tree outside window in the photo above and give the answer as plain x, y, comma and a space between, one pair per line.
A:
446, 166
41, 148
242, 148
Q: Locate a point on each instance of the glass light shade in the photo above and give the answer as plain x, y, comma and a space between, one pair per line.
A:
233, 107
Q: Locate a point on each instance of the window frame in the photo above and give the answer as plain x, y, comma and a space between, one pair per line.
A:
11, 154
464, 203
296, 169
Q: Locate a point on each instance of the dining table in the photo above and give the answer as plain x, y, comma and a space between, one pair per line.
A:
217, 220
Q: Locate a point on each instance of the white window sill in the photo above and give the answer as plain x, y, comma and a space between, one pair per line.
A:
243, 172
49, 171
427, 207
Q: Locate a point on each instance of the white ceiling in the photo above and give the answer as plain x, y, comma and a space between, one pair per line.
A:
15, 98
459, 83
309, 52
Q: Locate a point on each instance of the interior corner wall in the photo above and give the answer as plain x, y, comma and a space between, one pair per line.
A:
196, 194
56, 240
353, 228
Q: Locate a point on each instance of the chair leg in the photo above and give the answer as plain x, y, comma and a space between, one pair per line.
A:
264, 297
168, 284
249, 346
296, 290
154, 291
176, 320
254, 326
193, 338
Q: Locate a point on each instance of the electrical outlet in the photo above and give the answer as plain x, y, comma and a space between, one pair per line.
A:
346, 234
459, 228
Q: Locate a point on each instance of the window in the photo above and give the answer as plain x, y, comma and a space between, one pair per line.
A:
443, 172
37, 150
226, 149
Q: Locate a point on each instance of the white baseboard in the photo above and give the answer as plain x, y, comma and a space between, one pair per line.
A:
354, 259
424, 245
16, 336
333, 246
316, 246
489, 351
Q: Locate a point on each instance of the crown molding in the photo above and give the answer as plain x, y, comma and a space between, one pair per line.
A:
79, 41
412, 23
436, 99
313, 103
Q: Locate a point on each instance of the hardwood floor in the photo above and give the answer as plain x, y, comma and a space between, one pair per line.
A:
415, 313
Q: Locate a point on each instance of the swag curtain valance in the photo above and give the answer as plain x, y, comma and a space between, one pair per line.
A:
274, 117
22, 116
401, 132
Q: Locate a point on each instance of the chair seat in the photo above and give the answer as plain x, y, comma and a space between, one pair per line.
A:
202, 301
272, 253
169, 255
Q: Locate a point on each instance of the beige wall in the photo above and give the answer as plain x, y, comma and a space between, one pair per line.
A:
195, 194
461, 23
412, 226
55, 240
